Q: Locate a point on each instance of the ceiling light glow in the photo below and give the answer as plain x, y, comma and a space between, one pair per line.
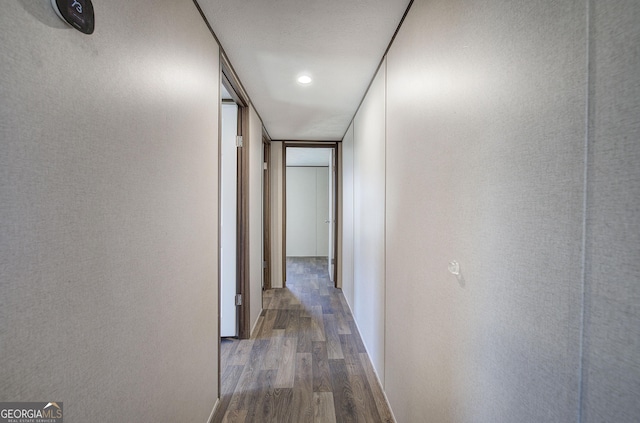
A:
304, 79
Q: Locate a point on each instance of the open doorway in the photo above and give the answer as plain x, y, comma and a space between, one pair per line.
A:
235, 255
233, 226
310, 205
229, 310
234, 244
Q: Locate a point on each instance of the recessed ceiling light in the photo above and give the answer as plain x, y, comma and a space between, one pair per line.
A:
304, 79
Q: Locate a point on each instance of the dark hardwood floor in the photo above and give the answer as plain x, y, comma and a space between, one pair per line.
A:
305, 361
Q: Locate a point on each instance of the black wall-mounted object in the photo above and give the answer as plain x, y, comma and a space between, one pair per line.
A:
76, 13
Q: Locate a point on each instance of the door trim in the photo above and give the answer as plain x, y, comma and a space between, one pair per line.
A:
266, 213
310, 144
243, 251
232, 83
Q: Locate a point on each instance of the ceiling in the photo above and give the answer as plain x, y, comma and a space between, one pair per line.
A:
339, 43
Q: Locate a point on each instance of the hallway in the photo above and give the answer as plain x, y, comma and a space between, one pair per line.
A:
487, 210
305, 361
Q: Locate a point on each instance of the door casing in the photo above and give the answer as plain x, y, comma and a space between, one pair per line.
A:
334, 192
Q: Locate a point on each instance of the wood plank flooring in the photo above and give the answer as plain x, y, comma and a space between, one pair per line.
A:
305, 361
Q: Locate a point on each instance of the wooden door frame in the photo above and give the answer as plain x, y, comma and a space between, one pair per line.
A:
242, 238
310, 144
266, 212
231, 82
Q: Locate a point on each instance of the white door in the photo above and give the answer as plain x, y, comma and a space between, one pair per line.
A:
301, 211
322, 212
307, 211
228, 227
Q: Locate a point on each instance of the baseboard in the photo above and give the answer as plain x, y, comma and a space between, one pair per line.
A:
213, 412
375, 371
255, 324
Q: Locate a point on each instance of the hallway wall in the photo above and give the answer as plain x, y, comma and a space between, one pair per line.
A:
255, 216
108, 198
485, 153
611, 370
488, 107
369, 221
347, 217
278, 272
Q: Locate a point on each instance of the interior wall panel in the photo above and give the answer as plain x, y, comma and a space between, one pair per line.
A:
369, 221
612, 308
255, 216
485, 163
108, 197
277, 218
347, 216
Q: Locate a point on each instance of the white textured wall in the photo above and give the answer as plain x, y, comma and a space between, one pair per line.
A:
255, 215
485, 164
369, 221
346, 218
612, 309
108, 198
496, 113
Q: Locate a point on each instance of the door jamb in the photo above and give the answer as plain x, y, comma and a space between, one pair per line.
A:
313, 144
266, 213
230, 80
